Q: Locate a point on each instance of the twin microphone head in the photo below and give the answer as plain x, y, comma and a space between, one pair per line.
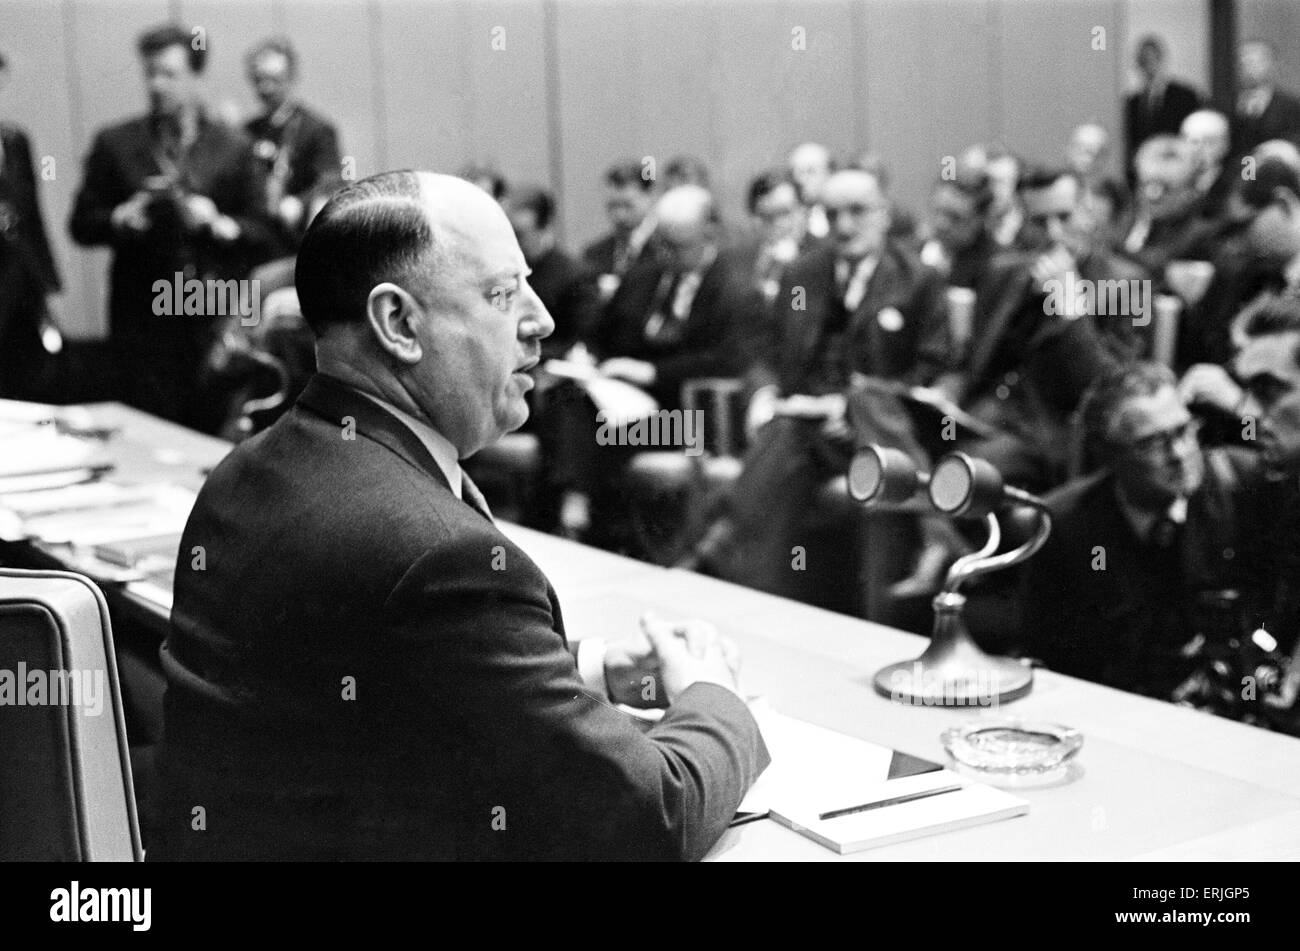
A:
958, 485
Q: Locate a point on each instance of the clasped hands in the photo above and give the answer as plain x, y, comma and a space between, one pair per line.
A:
652, 669
197, 212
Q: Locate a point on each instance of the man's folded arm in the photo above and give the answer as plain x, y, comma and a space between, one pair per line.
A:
475, 651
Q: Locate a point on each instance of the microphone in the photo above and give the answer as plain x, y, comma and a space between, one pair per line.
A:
952, 671
962, 485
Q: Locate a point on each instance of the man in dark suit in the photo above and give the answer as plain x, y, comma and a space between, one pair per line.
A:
28, 276
299, 149
858, 310
364, 666
1140, 550
1209, 135
171, 192
1165, 223
1264, 111
678, 314
1033, 352
1159, 106
781, 233
629, 197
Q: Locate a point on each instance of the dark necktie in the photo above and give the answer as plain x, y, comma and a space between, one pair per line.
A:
470, 493
1163, 534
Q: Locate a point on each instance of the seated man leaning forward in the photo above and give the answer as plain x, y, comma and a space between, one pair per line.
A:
361, 665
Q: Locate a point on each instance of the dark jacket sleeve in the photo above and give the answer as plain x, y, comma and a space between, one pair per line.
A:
32, 222
101, 191
475, 650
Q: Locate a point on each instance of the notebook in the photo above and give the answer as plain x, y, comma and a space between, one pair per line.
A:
850, 795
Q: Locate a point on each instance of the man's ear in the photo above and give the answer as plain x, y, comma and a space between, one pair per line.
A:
393, 315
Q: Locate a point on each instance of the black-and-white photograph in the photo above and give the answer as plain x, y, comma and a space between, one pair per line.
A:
657, 430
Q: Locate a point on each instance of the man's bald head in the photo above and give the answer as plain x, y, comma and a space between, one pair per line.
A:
1206, 131
400, 227
810, 163
417, 290
687, 219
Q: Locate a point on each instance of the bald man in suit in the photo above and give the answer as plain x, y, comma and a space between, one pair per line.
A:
362, 665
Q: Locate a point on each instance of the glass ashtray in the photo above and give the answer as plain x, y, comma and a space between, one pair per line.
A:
1012, 746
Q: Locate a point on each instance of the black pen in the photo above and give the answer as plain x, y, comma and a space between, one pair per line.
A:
881, 803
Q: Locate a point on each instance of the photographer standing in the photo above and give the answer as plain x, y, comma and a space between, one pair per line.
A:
172, 192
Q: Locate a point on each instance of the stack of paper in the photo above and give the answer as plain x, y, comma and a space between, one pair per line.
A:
849, 795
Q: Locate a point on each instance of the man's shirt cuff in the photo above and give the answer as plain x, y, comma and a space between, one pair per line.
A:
591, 665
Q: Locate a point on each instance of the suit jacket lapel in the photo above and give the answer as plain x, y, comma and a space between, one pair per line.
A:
331, 398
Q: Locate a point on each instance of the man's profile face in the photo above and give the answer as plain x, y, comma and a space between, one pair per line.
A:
683, 244
271, 80
1160, 455
168, 80
1267, 367
1004, 174
857, 213
1254, 65
1208, 139
1087, 149
481, 326
810, 166
1056, 216
954, 220
1149, 60
780, 215
626, 206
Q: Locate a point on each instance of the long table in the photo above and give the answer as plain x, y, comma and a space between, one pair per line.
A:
1152, 782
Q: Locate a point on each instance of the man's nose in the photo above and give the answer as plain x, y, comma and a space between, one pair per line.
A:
537, 320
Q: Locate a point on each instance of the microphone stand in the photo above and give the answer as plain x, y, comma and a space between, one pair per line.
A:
953, 671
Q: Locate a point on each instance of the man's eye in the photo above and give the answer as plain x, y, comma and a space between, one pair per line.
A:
503, 297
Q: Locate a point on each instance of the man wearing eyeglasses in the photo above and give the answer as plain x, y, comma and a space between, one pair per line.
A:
857, 307
1142, 550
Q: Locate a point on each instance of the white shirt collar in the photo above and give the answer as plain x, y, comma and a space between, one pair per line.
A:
443, 452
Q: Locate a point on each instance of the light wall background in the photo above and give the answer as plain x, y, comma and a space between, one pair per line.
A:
580, 83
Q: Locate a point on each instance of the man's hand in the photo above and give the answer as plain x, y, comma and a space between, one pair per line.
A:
632, 674
132, 216
692, 652
198, 212
1052, 266
636, 372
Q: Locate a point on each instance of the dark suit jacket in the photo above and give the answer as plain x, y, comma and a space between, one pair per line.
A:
334, 563
704, 344
312, 144
22, 228
1140, 123
602, 255
1281, 120
1026, 370
915, 349
27, 271
219, 165
1102, 624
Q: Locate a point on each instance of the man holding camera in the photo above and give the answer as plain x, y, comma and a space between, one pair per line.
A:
171, 192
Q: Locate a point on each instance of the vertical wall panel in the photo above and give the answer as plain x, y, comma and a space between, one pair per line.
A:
338, 71
1052, 79
231, 27
40, 98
